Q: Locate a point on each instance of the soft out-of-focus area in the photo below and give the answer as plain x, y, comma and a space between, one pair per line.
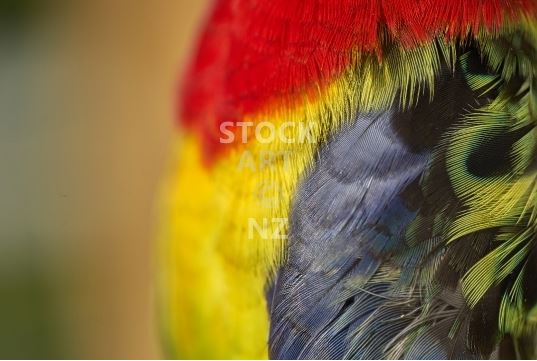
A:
87, 107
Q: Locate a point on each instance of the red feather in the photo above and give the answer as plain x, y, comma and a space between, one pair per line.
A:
254, 52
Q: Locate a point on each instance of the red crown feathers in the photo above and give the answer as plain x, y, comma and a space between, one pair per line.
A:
254, 52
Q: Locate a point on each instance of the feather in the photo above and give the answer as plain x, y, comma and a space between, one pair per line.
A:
440, 229
412, 210
258, 54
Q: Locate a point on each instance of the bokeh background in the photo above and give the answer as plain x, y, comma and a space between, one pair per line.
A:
86, 118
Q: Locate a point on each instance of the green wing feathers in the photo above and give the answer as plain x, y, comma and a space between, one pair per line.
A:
490, 160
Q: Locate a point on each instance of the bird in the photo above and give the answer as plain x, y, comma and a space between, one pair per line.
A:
354, 179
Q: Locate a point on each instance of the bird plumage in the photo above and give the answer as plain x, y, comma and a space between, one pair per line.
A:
412, 212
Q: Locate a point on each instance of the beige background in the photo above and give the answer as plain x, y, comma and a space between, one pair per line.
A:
87, 108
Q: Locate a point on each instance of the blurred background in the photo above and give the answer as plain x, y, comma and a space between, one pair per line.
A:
86, 119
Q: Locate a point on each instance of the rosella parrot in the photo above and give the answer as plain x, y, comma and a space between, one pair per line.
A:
355, 179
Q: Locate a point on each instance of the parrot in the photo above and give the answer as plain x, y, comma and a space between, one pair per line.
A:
354, 179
